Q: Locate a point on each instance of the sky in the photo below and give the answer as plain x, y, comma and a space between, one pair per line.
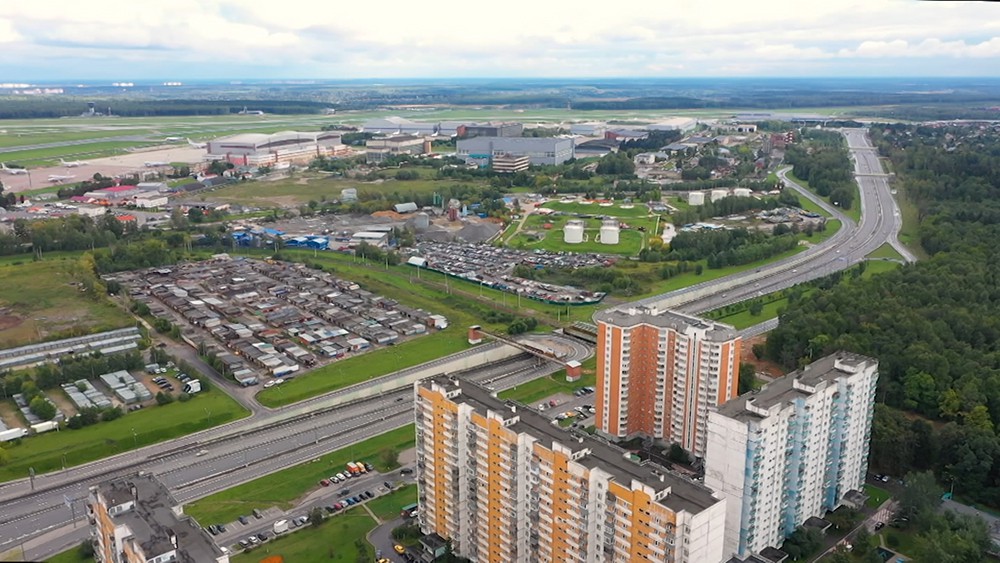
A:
53, 40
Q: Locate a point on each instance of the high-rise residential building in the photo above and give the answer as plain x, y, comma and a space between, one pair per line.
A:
660, 372
791, 450
135, 519
506, 484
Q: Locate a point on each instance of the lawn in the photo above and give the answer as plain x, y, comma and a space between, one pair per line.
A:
303, 189
284, 487
339, 539
631, 240
744, 319
616, 210
152, 425
886, 251
388, 506
71, 555
876, 496
51, 155
538, 389
38, 302
875, 267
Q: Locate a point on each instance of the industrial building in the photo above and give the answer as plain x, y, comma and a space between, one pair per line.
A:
674, 124
135, 519
543, 151
490, 130
660, 372
258, 149
502, 483
509, 164
792, 450
380, 148
394, 125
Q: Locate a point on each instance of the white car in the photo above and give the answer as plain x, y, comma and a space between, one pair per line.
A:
269, 384
278, 381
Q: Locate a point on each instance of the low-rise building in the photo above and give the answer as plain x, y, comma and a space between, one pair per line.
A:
135, 519
541, 150
380, 148
510, 164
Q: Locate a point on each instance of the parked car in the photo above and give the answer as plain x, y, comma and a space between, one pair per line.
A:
244, 520
257, 513
387, 484
244, 544
369, 467
406, 471
344, 492
254, 540
324, 482
263, 536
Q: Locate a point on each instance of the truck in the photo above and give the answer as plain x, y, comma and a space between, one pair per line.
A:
353, 468
193, 386
45, 426
280, 526
12, 434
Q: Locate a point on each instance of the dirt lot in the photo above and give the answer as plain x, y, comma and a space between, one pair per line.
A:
770, 368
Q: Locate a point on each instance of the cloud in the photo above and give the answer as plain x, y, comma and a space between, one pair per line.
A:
228, 38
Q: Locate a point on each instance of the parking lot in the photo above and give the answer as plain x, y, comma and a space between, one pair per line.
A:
564, 404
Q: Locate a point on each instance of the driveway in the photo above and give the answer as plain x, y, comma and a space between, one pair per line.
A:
381, 539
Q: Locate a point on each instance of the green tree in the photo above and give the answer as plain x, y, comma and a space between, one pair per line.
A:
921, 494
389, 457
42, 408
747, 377
755, 308
316, 516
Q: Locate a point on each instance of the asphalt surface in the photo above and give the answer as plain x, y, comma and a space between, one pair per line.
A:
201, 464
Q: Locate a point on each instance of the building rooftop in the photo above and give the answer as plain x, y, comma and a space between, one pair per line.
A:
154, 524
634, 316
685, 495
799, 383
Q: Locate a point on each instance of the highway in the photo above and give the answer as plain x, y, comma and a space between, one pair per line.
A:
238, 451
880, 223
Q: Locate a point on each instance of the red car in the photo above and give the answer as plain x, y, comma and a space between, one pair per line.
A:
325, 482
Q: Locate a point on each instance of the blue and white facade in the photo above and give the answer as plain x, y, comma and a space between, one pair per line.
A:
791, 450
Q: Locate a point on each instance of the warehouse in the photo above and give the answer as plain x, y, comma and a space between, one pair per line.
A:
541, 150
258, 149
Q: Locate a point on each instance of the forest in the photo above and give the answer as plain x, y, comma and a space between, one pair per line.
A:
935, 325
823, 162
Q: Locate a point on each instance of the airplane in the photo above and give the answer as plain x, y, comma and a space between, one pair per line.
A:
14, 171
197, 145
172, 139
155, 163
57, 179
72, 163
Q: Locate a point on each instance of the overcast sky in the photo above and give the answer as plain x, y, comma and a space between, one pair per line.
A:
189, 39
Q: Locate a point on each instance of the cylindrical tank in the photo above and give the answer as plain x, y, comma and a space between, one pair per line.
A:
573, 232
719, 194
421, 221
696, 198
742, 192
609, 232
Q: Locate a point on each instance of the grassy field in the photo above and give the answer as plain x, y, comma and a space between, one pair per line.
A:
532, 391
387, 507
616, 210
630, 240
51, 155
284, 487
854, 212
303, 189
38, 302
49, 451
886, 251
744, 319
333, 541
70, 556
366, 366
876, 496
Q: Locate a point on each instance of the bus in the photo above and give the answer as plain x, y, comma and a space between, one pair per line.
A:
408, 511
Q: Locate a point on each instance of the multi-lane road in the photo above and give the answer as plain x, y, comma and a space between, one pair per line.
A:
268, 441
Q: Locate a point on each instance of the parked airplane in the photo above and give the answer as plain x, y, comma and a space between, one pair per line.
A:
14, 171
173, 139
155, 163
72, 163
57, 179
197, 145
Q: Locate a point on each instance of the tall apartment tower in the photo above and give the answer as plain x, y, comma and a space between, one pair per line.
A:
794, 449
660, 372
506, 485
135, 519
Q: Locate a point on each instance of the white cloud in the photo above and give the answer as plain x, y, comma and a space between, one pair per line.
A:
515, 38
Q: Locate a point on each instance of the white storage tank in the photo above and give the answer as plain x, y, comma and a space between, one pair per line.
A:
719, 194
742, 192
696, 198
609, 231
573, 232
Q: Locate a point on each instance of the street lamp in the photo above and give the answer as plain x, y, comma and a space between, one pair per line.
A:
135, 438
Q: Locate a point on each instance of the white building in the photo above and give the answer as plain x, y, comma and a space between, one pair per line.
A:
258, 149
791, 450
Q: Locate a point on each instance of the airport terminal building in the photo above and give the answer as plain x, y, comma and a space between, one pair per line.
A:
258, 149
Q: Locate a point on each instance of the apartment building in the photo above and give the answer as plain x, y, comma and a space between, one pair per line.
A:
660, 372
791, 450
505, 484
135, 519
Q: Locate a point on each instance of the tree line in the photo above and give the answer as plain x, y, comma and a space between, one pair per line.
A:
822, 161
934, 325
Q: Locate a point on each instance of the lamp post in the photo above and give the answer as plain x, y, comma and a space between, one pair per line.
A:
135, 438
